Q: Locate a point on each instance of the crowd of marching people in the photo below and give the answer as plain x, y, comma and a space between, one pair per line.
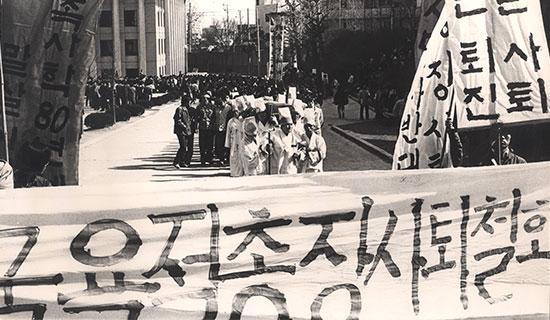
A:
256, 126
99, 92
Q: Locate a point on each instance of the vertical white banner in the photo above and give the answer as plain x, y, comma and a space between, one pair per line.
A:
46, 52
421, 134
502, 62
431, 10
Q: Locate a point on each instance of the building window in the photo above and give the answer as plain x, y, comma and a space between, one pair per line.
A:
107, 72
132, 73
106, 48
131, 47
106, 18
130, 18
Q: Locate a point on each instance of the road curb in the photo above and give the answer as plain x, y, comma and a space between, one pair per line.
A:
381, 153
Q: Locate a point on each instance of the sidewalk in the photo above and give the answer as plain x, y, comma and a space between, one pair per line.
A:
373, 135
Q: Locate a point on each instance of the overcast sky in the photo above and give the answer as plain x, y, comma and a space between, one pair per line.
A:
215, 9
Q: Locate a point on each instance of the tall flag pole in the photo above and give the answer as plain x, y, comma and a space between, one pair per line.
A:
5, 150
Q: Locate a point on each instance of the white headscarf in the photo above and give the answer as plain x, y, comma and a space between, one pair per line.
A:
6, 175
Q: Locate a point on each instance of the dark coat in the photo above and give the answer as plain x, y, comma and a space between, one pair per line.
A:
341, 96
205, 115
182, 121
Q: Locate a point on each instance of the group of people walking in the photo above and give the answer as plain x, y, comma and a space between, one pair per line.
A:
253, 135
100, 93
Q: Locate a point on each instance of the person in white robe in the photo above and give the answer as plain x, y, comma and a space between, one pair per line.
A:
6, 175
314, 148
233, 139
285, 150
249, 151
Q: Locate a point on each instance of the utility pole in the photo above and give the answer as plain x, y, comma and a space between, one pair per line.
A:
115, 56
189, 38
258, 40
365, 15
240, 27
248, 23
189, 24
226, 8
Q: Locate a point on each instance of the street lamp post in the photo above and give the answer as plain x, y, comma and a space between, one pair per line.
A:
258, 41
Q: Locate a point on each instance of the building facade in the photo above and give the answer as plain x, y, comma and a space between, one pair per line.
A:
265, 7
372, 15
147, 36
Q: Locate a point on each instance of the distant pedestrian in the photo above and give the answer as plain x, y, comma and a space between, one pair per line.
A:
221, 108
205, 112
341, 100
365, 100
183, 130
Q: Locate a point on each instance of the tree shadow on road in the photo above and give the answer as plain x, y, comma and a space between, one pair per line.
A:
163, 162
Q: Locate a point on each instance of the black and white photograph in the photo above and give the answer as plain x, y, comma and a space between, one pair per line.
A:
275, 159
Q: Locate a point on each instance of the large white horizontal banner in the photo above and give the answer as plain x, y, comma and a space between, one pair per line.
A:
442, 244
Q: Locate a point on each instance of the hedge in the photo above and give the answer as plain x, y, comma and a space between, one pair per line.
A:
98, 120
134, 109
122, 114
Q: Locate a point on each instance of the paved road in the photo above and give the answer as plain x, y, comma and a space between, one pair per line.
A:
343, 155
143, 149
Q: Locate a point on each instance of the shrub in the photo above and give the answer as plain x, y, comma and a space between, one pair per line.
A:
98, 120
122, 114
134, 109
144, 103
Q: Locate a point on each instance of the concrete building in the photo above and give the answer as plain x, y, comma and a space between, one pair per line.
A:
146, 36
372, 15
354, 15
265, 7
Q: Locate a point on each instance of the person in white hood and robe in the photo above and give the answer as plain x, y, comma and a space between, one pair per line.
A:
285, 152
313, 146
250, 152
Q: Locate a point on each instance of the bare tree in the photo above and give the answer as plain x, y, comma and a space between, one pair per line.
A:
294, 28
221, 34
306, 24
194, 18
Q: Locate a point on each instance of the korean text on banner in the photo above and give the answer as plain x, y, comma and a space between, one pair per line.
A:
424, 244
502, 62
429, 15
47, 47
421, 135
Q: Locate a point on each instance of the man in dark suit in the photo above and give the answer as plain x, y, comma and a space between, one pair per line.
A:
183, 130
